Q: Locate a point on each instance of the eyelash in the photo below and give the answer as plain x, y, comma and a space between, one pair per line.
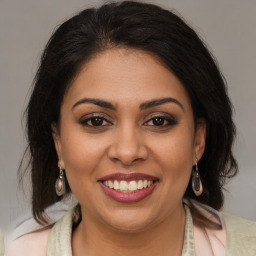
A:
168, 121
84, 122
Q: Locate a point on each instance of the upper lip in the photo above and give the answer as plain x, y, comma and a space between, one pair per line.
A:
128, 177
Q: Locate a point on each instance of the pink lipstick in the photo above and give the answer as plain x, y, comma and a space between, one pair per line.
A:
128, 188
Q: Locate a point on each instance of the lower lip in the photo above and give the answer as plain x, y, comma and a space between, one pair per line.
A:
128, 197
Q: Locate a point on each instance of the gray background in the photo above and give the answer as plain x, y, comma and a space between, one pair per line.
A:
228, 27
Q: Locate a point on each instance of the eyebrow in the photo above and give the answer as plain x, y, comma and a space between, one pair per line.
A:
98, 102
157, 102
146, 105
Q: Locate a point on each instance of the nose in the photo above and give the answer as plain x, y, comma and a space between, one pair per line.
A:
128, 147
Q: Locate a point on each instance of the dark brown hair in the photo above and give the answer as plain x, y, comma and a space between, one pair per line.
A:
147, 28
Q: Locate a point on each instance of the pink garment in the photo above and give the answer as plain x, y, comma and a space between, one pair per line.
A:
32, 244
210, 242
217, 242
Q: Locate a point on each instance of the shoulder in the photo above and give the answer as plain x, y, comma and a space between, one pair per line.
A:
60, 237
240, 224
241, 235
29, 244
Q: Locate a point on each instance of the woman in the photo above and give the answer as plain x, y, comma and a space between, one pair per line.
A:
130, 112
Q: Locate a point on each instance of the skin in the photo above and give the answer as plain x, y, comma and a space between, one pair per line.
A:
128, 140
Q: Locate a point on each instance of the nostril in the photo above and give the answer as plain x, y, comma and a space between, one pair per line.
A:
127, 157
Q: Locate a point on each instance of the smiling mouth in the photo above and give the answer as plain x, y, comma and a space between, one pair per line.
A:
124, 186
128, 188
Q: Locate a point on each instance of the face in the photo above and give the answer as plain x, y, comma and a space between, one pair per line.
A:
127, 140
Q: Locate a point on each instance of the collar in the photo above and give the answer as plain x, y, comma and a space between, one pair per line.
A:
59, 243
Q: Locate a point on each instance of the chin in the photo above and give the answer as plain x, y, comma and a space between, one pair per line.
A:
129, 220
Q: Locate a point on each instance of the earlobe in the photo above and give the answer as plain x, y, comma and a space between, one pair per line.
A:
57, 143
200, 138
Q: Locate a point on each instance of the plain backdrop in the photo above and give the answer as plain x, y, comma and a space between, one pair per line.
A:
228, 27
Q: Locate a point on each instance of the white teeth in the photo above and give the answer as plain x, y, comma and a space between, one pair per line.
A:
133, 185
140, 184
126, 187
151, 182
110, 184
116, 185
123, 185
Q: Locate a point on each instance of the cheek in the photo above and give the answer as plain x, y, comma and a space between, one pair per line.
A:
81, 156
81, 162
175, 156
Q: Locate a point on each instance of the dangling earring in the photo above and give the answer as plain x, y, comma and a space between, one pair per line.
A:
60, 186
196, 182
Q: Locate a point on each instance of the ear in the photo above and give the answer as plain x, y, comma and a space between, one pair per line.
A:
200, 137
57, 143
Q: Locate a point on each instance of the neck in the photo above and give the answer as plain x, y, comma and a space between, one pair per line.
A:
165, 238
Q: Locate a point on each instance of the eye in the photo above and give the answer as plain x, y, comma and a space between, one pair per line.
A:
158, 121
161, 121
95, 121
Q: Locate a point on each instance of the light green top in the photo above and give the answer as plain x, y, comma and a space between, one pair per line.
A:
59, 243
241, 236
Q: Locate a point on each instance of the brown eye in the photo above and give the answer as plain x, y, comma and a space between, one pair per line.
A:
158, 121
161, 121
97, 121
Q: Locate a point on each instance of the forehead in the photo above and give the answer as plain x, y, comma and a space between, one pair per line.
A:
126, 75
